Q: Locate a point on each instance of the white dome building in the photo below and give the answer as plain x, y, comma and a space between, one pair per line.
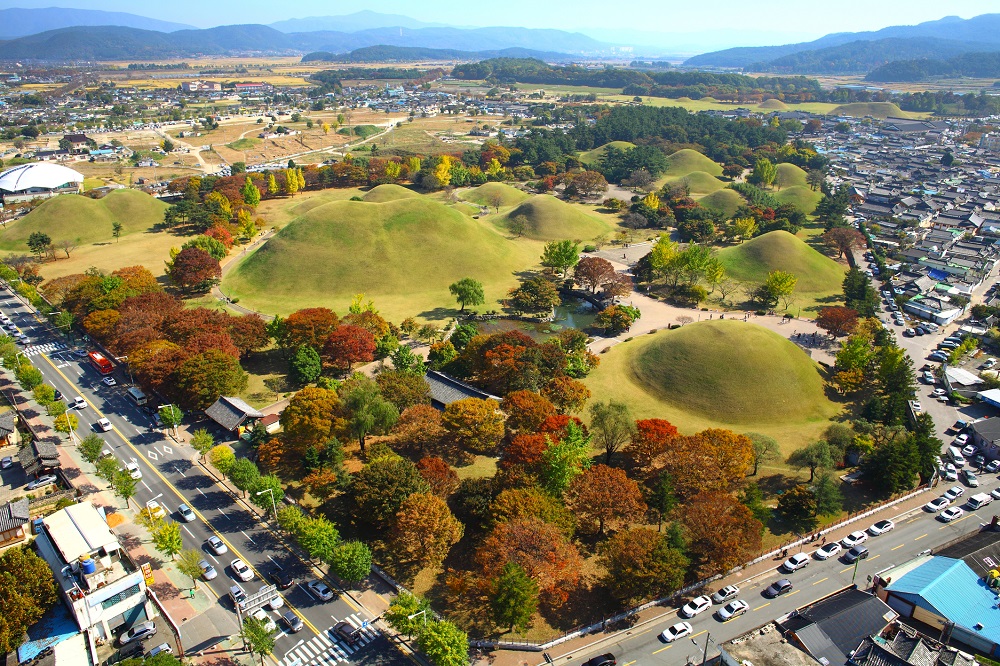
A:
38, 180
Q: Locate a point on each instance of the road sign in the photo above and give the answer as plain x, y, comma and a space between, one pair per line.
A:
364, 624
255, 601
147, 573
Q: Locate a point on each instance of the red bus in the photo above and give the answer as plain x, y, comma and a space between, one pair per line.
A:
101, 363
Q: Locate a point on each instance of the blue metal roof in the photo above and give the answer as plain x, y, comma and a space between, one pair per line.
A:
55, 626
956, 592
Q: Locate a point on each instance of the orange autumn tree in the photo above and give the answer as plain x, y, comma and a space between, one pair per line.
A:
424, 531
309, 326
651, 439
604, 496
722, 533
526, 410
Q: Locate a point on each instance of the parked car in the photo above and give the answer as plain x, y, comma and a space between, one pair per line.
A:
265, 619
679, 630
242, 570
734, 608
936, 505
855, 554
970, 478
319, 590
954, 493
881, 527
186, 514
138, 633
937, 356
777, 588
159, 649
827, 551
928, 377
46, 480
133, 470
215, 545
696, 606
207, 570
951, 513
961, 440
992, 466
725, 594
795, 562
950, 474
853, 539
293, 622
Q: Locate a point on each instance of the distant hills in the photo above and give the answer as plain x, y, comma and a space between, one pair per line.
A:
18, 22
383, 53
363, 20
858, 52
975, 65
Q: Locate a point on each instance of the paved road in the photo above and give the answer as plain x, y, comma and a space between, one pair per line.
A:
171, 475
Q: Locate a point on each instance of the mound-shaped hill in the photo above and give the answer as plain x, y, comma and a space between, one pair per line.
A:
773, 104
721, 370
84, 220
687, 161
594, 156
799, 196
873, 109
724, 201
548, 218
819, 276
402, 253
789, 175
484, 195
698, 182
384, 193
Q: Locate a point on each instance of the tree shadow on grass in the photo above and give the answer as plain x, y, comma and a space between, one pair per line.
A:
439, 313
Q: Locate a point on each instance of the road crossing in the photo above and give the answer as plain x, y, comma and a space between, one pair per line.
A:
326, 648
46, 348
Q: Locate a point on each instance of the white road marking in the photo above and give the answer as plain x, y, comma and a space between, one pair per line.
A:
247, 536
147, 487
275, 563
152, 455
200, 491
187, 530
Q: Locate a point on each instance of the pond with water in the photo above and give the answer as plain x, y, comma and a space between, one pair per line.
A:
571, 313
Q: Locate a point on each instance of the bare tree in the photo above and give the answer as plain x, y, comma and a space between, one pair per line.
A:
67, 246
727, 286
495, 200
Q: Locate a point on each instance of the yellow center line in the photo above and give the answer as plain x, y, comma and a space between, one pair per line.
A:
821, 580
662, 649
762, 606
874, 557
699, 633
920, 537
179, 495
898, 547
629, 663
794, 592
847, 569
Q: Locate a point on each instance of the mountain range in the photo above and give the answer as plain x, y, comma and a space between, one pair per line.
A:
858, 52
17, 22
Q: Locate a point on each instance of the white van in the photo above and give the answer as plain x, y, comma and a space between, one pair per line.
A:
956, 456
978, 501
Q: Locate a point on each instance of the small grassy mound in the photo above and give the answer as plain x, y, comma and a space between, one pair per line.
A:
594, 156
484, 195
698, 182
402, 253
687, 161
731, 371
773, 105
819, 276
364, 131
384, 193
789, 175
799, 196
84, 220
873, 109
549, 218
245, 143
725, 202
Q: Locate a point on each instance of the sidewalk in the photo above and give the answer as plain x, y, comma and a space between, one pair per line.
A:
596, 640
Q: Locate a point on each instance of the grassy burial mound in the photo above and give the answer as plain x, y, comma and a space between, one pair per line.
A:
486, 194
698, 182
732, 372
594, 156
773, 105
724, 202
384, 193
819, 276
687, 161
84, 220
873, 109
794, 189
789, 175
548, 218
402, 253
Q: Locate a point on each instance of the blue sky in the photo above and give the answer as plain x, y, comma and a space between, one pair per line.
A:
798, 18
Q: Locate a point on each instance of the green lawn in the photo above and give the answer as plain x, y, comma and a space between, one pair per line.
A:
724, 201
246, 143
485, 195
549, 218
727, 374
594, 156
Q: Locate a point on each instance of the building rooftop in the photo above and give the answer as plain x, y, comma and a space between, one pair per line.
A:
80, 530
833, 627
230, 412
446, 390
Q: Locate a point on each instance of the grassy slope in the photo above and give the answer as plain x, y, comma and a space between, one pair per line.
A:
874, 109
819, 276
403, 254
384, 193
723, 201
685, 161
552, 219
482, 195
698, 182
794, 189
773, 104
85, 220
279, 212
594, 156
699, 376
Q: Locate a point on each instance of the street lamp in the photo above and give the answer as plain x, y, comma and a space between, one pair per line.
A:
273, 505
127, 365
423, 612
704, 654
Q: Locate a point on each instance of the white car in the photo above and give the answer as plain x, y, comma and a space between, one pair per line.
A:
725, 594
79, 403
881, 527
961, 440
733, 609
207, 570
853, 539
827, 551
954, 493
679, 630
104, 425
109, 381
242, 571
936, 505
939, 393
319, 590
795, 562
951, 514
155, 509
696, 606
275, 603
969, 451
269, 625
216, 545
134, 471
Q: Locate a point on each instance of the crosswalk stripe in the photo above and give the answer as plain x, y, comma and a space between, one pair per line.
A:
305, 648
316, 646
322, 637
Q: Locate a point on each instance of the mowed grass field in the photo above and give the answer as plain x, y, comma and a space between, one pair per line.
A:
402, 253
549, 218
724, 374
819, 277
84, 220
